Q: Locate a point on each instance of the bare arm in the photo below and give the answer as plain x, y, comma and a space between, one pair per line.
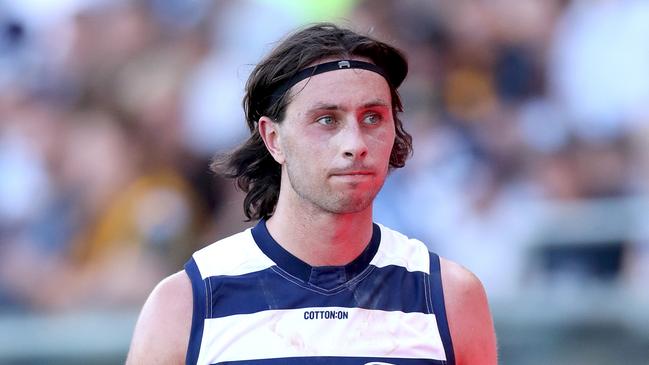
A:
162, 331
469, 319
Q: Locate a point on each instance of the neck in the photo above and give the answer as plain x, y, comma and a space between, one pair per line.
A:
321, 238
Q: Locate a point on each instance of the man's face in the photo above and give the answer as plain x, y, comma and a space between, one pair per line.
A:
336, 139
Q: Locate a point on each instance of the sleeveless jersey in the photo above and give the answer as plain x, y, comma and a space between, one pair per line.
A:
256, 303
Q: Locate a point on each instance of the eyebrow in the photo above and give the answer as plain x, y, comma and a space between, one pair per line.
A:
376, 103
327, 106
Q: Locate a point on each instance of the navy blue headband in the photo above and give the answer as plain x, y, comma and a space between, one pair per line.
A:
325, 67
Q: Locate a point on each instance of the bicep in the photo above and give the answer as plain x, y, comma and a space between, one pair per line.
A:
469, 318
161, 334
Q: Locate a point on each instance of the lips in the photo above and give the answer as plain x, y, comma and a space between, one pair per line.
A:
353, 173
353, 176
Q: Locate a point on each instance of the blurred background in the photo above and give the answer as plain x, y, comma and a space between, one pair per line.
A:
531, 167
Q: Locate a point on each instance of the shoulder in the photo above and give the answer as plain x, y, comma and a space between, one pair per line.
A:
468, 315
162, 331
459, 280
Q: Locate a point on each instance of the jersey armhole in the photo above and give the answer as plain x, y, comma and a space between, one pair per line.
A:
198, 313
439, 307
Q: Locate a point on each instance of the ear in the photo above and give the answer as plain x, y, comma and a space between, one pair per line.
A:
269, 132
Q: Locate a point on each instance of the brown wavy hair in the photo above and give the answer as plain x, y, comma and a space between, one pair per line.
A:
251, 165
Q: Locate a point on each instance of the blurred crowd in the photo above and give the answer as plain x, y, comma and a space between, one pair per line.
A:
530, 122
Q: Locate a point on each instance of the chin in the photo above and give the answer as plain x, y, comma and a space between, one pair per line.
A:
350, 205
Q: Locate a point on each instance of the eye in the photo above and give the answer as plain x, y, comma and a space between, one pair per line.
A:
326, 120
372, 118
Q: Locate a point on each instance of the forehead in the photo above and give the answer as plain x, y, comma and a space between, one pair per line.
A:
347, 88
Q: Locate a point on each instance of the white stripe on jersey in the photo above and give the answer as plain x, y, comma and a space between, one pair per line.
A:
397, 249
286, 333
234, 255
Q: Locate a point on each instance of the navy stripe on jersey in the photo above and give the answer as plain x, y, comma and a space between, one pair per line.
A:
440, 308
328, 360
269, 289
198, 316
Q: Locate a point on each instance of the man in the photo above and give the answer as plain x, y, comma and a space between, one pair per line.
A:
316, 281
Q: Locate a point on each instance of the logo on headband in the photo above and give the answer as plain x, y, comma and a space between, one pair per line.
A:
283, 87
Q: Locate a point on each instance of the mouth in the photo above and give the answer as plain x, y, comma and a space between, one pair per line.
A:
359, 173
353, 176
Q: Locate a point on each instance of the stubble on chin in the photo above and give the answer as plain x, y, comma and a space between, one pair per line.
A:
332, 200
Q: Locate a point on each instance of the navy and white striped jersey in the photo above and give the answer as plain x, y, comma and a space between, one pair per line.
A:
255, 303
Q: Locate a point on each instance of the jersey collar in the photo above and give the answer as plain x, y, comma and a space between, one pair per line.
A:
325, 277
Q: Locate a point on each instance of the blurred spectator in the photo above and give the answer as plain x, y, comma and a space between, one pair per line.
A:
213, 114
598, 66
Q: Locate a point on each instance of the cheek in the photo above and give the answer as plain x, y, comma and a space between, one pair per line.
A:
390, 139
384, 141
302, 156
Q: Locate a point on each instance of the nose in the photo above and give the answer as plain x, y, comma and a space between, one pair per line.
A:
353, 144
